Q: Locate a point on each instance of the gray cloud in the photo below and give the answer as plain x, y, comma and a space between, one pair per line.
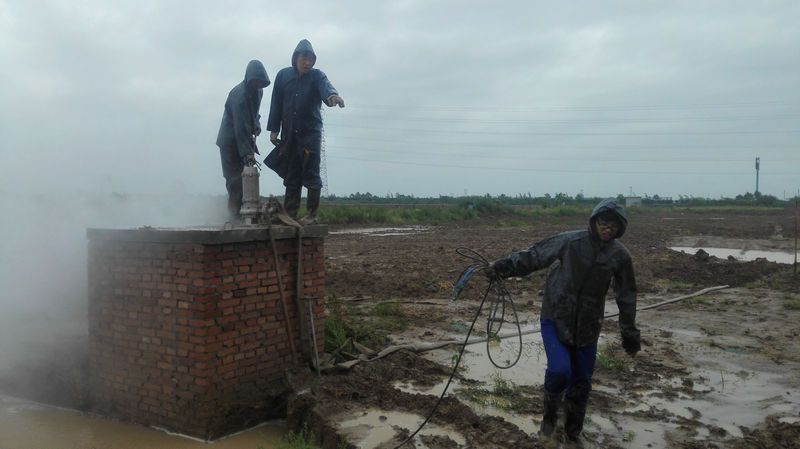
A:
127, 96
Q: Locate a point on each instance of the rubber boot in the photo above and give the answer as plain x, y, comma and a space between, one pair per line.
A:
312, 206
234, 204
547, 434
573, 425
291, 201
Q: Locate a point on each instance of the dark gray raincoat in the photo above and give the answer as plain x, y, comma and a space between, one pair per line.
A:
240, 120
295, 112
583, 268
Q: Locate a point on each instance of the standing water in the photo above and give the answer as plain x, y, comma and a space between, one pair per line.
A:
740, 254
27, 425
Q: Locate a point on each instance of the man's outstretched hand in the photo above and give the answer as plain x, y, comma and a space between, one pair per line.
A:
335, 100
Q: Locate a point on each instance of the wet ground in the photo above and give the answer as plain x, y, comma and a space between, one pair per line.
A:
719, 370
716, 371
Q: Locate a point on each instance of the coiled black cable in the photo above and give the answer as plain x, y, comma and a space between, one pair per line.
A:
499, 300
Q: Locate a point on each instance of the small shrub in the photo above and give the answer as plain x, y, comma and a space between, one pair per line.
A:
502, 387
297, 440
609, 360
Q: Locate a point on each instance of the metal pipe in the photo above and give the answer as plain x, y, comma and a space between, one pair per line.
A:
251, 200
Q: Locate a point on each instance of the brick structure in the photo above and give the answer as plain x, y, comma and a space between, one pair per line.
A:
186, 327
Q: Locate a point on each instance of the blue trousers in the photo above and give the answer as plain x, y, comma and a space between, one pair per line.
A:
568, 368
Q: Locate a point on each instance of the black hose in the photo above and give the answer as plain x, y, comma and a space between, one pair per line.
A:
500, 298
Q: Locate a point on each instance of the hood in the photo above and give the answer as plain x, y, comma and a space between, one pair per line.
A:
609, 204
302, 46
255, 71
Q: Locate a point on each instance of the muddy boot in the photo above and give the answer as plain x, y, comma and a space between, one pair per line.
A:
547, 434
291, 201
312, 205
234, 204
573, 425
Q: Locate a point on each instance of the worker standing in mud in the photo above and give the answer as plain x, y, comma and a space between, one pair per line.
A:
297, 97
238, 131
585, 263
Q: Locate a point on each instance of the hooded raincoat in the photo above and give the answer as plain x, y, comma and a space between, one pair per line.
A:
583, 268
240, 120
236, 136
295, 112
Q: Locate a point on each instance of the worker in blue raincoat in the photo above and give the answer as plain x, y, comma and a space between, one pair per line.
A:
297, 97
238, 131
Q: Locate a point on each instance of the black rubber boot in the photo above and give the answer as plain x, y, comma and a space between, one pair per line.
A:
312, 206
573, 425
291, 201
552, 402
234, 205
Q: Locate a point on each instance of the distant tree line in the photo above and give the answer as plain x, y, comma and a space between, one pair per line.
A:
548, 200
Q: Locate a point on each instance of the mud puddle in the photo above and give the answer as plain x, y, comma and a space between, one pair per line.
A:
775, 249
28, 425
720, 393
377, 428
740, 254
383, 232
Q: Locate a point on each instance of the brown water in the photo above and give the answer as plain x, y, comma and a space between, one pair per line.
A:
27, 425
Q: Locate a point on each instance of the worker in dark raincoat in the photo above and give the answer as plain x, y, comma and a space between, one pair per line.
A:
237, 132
297, 97
584, 265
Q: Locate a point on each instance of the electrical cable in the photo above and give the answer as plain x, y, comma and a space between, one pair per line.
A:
558, 170
499, 298
569, 133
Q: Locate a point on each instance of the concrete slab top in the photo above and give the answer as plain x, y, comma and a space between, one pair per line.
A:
204, 234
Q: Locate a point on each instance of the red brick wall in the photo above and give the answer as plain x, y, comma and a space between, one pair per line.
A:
191, 336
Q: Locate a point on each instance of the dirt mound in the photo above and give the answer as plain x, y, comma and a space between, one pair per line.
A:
773, 435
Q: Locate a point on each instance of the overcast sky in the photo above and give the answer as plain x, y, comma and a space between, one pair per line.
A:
443, 97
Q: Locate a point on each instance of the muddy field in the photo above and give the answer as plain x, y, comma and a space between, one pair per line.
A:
718, 370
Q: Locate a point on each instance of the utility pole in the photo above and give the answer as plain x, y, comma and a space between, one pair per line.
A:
758, 167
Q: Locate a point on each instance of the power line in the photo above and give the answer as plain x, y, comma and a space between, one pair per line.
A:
543, 158
570, 133
688, 120
729, 105
564, 148
547, 170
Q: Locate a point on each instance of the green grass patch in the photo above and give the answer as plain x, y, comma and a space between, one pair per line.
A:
390, 316
383, 215
702, 299
791, 303
344, 324
297, 440
335, 333
628, 436
610, 360
388, 309
671, 284
502, 394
